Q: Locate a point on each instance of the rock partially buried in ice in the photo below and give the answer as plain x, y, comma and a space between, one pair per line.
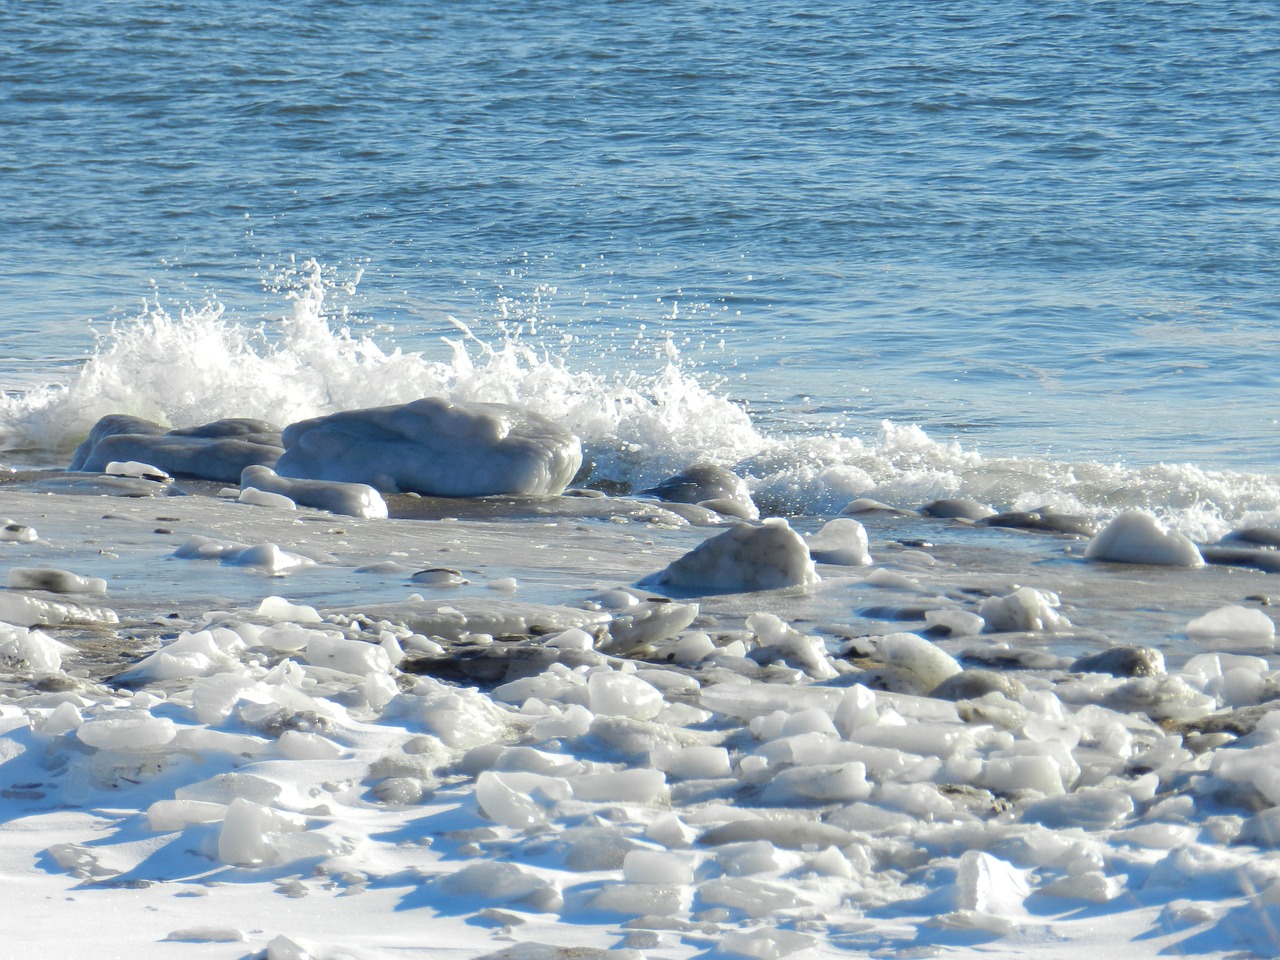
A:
214, 451
929, 665
54, 581
742, 559
842, 542
1137, 537
1234, 623
710, 486
1043, 520
1128, 661
957, 509
16, 532
348, 499
435, 447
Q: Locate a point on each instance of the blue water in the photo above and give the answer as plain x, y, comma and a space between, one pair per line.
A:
1043, 232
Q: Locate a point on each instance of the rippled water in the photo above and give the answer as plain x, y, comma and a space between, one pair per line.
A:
1042, 230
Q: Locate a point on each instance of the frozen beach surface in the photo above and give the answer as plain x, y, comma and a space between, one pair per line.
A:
534, 757
435, 447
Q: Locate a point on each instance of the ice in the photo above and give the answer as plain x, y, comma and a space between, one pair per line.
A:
126, 730
841, 542
765, 944
1024, 609
261, 498
54, 581
1137, 537
657, 867
742, 559
30, 651
251, 832
1233, 623
987, 884
928, 665
214, 451
137, 470
13, 532
349, 499
24, 610
437, 447
646, 622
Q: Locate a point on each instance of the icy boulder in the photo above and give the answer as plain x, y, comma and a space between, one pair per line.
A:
842, 542
1234, 624
348, 499
710, 486
745, 558
435, 447
214, 451
1137, 537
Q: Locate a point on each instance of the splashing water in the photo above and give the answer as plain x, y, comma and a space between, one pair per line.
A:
636, 428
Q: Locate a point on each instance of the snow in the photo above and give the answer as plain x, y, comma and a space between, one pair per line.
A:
226, 763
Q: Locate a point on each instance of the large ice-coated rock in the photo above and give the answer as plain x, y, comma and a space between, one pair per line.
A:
435, 447
213, 451
743, 559
1137, 537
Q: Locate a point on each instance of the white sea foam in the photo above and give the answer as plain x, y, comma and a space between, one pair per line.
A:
636, 427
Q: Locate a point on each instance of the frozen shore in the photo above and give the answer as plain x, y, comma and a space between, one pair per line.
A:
465, 730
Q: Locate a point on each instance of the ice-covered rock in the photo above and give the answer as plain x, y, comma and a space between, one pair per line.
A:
436, 447
742, 559
30, 651
841, 542
1024, 609
54, 581
711, 486
137, 470
13, 532
1233, 623
214, 451
262, 498
348, 499
1137, 537
925, 662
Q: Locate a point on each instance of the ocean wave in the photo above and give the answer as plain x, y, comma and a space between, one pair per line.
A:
636, 427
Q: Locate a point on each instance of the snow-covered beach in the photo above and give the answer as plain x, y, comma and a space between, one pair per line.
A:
465, 730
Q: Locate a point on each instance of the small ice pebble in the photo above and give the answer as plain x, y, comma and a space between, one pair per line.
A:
1233, 623
1137, 537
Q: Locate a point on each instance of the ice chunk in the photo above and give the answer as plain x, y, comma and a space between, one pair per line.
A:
23, 610
955, 621
654, 866
636, 785
250, 832
31, 651
824, 783
1024, 609
1233, 623
841, 542
451, 619
989, 885
646, 622
54, 581
780, 641
622, 695
744, 558
137, 470
262, 498
278, 608
1137, 537
691, 763
756, 898
268, 558
348, 656
500, 883
916, 656
126, 730
436, 447
348, 499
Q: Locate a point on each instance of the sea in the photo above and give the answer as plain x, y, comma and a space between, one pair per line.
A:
1027, 253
